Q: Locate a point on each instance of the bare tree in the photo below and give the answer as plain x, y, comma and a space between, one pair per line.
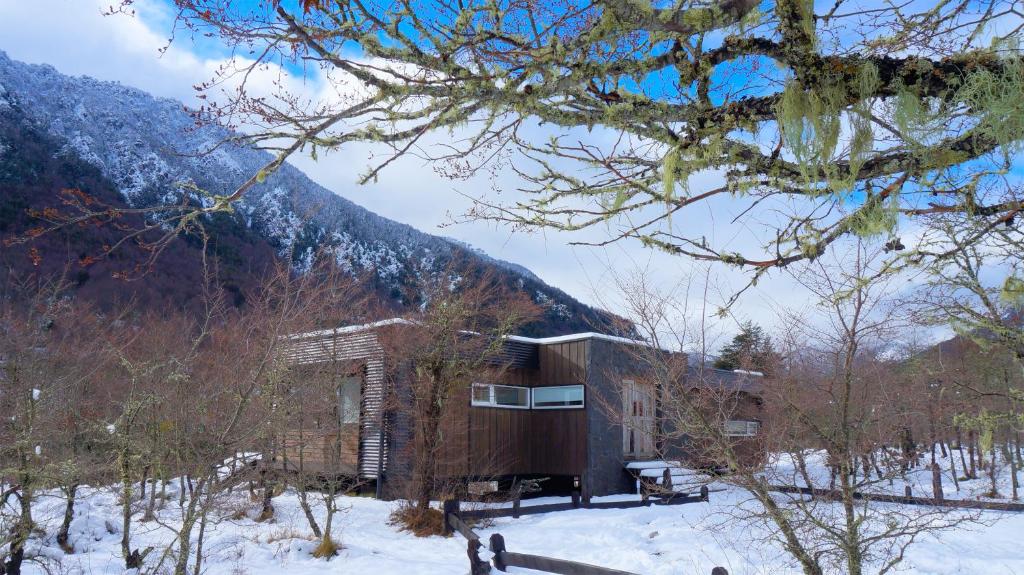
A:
830, 397
455, 338
825, 122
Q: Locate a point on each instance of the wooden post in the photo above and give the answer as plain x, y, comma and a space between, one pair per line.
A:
666, 481
450, 507
906, 491
477, 566
515, 506
498, 547
704, 493
575, 499
937, 482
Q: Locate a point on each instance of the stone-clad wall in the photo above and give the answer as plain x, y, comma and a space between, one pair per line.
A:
609, 364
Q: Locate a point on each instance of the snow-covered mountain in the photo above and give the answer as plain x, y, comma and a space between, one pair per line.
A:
147, 147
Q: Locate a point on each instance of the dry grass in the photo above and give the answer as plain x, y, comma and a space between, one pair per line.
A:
326, 549
286, 533
419, 522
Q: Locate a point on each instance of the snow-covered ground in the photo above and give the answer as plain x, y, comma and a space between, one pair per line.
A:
918, 478
683, 539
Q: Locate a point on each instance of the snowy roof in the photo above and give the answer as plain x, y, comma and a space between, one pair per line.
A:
575, 337
516, 338
352, 328
738, 380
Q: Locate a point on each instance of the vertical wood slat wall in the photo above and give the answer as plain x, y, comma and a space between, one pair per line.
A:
361, 347
483, 441
535, 441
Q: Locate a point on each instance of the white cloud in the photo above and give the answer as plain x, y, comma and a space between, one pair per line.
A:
74, 37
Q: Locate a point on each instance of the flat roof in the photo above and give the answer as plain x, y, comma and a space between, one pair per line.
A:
516, 338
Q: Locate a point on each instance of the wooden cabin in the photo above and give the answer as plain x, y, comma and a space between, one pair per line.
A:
573, 409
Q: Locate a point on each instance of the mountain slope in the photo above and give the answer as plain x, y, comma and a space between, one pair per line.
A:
144, 148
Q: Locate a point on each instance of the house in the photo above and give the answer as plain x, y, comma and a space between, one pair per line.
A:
573, 409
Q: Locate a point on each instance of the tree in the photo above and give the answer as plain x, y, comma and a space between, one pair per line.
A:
456, 339
831, 396
48, 437
817, 123
750, 349
975, 287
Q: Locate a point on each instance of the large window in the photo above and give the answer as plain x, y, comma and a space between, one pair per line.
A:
508, 396
349, 393
561, 397
741, 428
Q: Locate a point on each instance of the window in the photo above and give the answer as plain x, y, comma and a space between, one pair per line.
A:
507, 396
349, 392
742, 428
563, 396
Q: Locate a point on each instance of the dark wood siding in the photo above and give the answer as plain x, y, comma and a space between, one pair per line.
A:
559, 442
518, 441
563, 363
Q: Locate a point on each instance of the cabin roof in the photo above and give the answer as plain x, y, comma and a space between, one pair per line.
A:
739, 381
517, 338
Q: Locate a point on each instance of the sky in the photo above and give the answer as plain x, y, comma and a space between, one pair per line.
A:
75, 37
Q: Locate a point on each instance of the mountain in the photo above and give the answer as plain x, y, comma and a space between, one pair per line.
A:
128, 148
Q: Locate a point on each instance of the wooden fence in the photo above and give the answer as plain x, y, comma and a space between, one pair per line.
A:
518, 510
907, 499
455, 521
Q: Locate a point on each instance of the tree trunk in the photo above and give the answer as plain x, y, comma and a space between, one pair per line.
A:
22, 529
937, 482
203, 520
952, 468
1014, 485
801, 465
960, 448
69, 515
970, 454
304, 504
267, 510
150, 512
992, 470
142, 484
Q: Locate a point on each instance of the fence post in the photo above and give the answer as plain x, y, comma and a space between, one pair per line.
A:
450, 507
906, 491
666, 480
515, 506
477, 566
497, 548
575, 499
704, 494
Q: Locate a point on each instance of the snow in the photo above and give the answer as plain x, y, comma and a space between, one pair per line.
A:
689, 538
919, 479
150, 146
577, 337
656, 540
35, 394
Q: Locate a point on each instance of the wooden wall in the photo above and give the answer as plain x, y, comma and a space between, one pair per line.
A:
542, 441
564, 363
362, 348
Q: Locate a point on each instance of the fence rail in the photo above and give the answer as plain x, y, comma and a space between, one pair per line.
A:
455, 521
517, 510
835, 494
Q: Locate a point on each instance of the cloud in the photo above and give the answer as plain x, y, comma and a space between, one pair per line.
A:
75, 37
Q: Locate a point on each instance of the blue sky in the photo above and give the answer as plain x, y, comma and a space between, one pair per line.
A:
75, 38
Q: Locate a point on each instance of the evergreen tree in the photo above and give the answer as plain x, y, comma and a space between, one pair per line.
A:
750, 349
